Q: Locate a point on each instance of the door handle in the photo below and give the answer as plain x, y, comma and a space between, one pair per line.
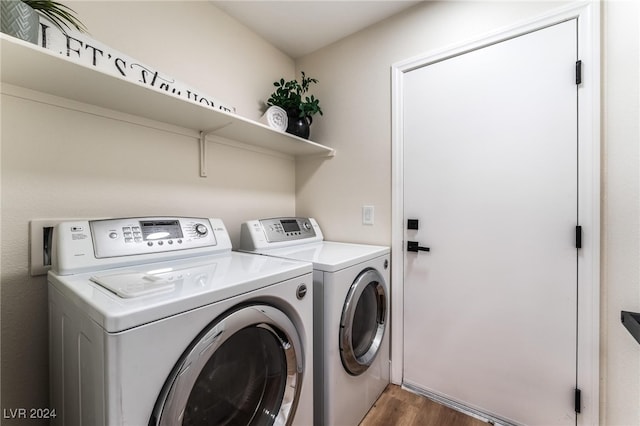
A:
414, 246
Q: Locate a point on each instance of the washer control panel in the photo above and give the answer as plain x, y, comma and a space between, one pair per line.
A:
123, 237
92, 245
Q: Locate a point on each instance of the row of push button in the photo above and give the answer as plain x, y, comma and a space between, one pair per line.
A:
161, 243
278, 228
131, 234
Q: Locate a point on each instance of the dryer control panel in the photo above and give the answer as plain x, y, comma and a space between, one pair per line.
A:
279, 232
287, 229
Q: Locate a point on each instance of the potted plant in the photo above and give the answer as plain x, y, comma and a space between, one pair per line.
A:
21, 18
289, 95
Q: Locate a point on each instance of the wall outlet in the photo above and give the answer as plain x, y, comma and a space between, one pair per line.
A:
41, 245
368, 215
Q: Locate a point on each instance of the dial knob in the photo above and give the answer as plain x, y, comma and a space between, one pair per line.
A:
306, 225
201, 230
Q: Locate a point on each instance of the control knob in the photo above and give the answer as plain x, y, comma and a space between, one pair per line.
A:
306, 226
201, 230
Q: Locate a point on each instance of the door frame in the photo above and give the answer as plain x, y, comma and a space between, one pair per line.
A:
588, 18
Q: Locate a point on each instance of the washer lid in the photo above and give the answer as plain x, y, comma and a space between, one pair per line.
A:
134, 284
329, 256
183, 285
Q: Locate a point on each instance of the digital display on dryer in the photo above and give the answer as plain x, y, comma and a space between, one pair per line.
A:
290, 225
160, 229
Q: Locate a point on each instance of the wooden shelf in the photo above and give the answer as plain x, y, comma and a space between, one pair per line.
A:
26, 65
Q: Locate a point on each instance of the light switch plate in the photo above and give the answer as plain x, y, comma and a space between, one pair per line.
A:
368, 215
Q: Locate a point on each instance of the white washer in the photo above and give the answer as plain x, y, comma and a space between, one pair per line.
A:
351, 305
155, 321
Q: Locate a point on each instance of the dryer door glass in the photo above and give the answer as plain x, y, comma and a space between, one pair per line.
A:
362, 324
245, 369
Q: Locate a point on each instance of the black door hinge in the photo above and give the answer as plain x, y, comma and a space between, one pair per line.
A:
578, 72
578, 236
577, 400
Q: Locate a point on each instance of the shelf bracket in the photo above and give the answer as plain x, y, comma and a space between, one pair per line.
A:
203, 147
329, 154
631, 321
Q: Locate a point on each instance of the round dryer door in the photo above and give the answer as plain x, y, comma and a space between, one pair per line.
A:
362, 324
244, 369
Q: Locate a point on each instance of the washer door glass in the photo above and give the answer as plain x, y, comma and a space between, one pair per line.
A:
362, 324
245, 369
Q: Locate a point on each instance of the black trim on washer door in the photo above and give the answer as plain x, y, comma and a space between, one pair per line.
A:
244, 369
363, 320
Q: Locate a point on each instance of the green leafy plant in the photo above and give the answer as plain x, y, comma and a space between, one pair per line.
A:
289, 95
60, 15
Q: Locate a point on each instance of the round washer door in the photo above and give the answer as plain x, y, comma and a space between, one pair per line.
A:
363, 320
244, 369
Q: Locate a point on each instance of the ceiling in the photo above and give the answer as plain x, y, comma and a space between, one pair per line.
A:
299, 27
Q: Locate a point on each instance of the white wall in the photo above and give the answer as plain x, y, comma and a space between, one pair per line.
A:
62, 159
620, 354
354, 89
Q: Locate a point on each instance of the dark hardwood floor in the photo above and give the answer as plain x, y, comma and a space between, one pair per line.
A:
399, 407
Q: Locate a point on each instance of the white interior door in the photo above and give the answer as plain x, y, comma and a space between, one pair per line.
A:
490, 172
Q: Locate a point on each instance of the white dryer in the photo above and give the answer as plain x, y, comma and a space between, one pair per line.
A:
351, 305
155, 321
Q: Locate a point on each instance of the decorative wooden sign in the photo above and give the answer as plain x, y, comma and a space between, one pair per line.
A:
78, 47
